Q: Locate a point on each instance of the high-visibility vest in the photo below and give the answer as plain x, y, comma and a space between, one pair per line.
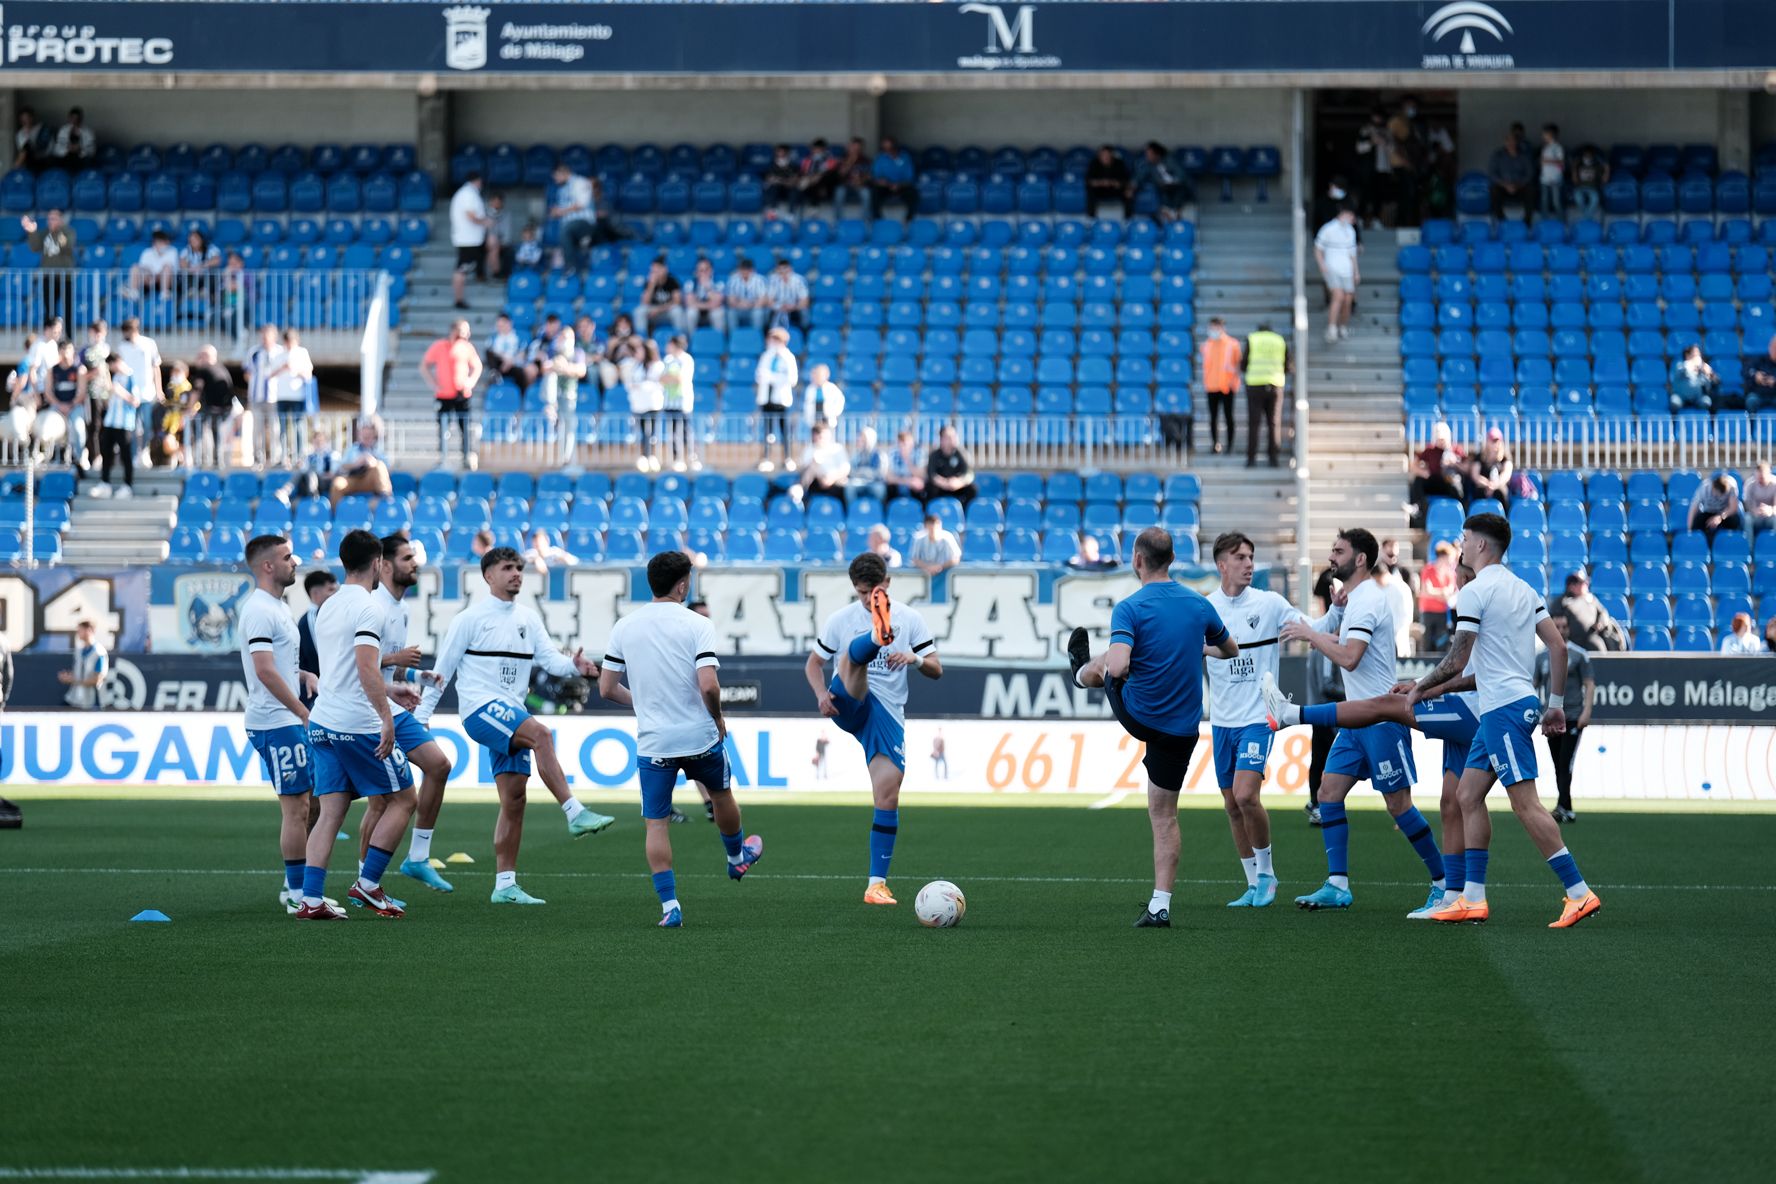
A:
1264, 360
1221, 364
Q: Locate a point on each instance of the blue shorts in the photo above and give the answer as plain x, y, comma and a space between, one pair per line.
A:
1380, 754
410, 734
346, 762
289, 761
874, 725
659, 777
492, 726
1240, 750
1451, 719
1505, 744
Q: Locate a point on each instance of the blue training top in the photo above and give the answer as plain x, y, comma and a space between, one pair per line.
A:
1165, 626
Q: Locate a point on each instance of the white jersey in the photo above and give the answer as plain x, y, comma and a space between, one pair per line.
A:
489, 650
1254, 618
1369, 616
1504, 612
266, 626
911, 636
394, 632
660, 647
349, 619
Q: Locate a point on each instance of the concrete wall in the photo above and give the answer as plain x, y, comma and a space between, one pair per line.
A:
1600, 117
233, 117
661, 117
1025, 118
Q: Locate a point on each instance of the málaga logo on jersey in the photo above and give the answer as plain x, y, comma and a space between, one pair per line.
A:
1251, 620
1467, 17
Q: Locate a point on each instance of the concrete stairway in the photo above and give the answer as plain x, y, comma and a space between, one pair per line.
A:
113, 532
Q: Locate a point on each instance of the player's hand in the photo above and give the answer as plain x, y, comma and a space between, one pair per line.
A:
825, 702
1403, 687
431, 678
407, 658
1296, 631
302, 717
898, 659
311, 682
404, 696
1553, 721
1415, 695
28, 224
1339, 595
385, 742
587, 669
721, 729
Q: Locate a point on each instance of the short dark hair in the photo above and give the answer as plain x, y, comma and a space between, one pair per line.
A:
1323, 585
259, 544
1576, 577
497, 556
868, 569
319, 578
358, 550
928, 519
1363, 543
1232, 541
471, 175
1154, 545
666, 569
1490, 526
392, 544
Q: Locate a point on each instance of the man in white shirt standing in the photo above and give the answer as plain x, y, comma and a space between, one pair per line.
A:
776, 379
291, 388
264, 365
1336, 250
666, 653
468, 234
822, 400
91, 668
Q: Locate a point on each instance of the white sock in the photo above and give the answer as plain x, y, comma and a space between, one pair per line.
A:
666, 908
312, 901
1161, 900
367, 885
739, 857
1439, 883
1265, 867
1450, 896
874, 880
1250, 863
1289, 714
504, 880
1474, 893
1578, 891
572, 808
1343, 882
420, 849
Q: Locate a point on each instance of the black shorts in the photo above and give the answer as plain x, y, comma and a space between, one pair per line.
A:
1168, 757
471, 260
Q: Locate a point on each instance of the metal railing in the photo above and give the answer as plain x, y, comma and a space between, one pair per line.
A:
1686, 442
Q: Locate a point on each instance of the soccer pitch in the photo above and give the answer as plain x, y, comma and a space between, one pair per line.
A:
790, 1033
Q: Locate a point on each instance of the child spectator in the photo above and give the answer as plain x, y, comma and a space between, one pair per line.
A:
775, 377
1553, 171
528, 254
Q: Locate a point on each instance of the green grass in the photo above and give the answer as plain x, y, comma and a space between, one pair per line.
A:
789, 1034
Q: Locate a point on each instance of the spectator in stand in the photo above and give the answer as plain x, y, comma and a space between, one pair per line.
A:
566, 369
1716, 506
143, 355
586, 335
1552, 175
296, 395
678, 397
1490, 473
543, 551
117, 433
541, 349
504, 352
1087, 556
1760, 380
1436, 589
56, 247
1437, 472
819, 175
92, 669
1374, 155
1221, 367
880, 544
616, 348
1512, 173
527, 254
1760, 498
319, 466
826, 470
1406, 152
573, 207
906, 468
481, 543
1106, 179
31, 141
174, 432
659, 300
198, 258
1589, 624
263, 366
934, 549
156, 266
1693, 382
1267, 361
364, 469
1590, 173
869, 465
468, 234
67, 397
745, 296
641, 371
499, 238
452, 366
42, 352
854, 180
231, 296
1581, 691
822, 400
786, 297
948, 470
75, 145
895, 177
1162, 172
702, 300
1741, 641
1335, 250
775, 377
782, 182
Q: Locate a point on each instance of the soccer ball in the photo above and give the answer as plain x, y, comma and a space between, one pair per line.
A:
940, 905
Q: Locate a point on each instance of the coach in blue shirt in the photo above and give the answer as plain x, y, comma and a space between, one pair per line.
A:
1152, 677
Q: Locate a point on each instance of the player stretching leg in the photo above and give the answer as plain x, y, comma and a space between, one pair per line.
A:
489, 649
668, 654
353, 734
1380, 753
1152, 678
1240, 734
1497, 619
277, 722
872, 642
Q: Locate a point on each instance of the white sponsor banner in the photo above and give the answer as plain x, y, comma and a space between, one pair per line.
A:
1085, 758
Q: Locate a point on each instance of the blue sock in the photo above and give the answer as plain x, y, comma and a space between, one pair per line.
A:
1476, 866
665, 886
314, 879
293, 874
882, 832
1418, 833
731, 843
1455, 870
1336, 833
376, 861
864, 649
1565, 867
1320, 715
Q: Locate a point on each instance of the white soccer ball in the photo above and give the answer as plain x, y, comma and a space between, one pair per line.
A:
940, 905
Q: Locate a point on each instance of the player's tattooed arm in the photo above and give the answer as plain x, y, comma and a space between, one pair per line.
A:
1448, 669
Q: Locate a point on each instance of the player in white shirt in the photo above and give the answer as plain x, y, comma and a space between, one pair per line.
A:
489, 650
468, 234
1336, 249
1236, 706
667, 654
277, 722
1497, 619
1380, 753
353, 735
872, 642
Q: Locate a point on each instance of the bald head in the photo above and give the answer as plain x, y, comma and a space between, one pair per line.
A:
1153, 551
